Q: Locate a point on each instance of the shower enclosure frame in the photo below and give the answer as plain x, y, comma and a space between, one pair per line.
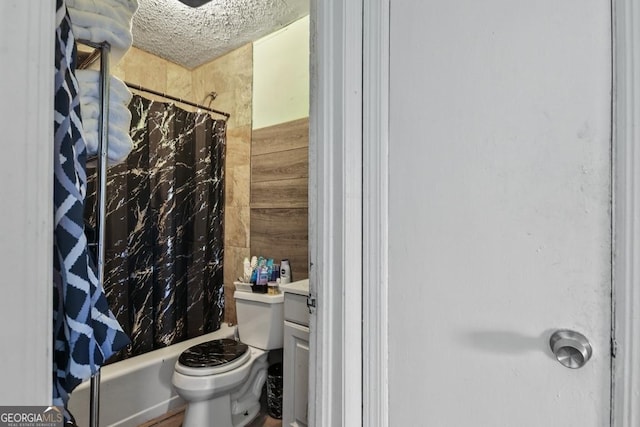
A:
101, 198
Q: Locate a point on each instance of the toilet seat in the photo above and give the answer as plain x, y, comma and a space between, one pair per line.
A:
213, 357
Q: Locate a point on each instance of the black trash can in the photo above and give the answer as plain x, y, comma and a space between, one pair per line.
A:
274, 390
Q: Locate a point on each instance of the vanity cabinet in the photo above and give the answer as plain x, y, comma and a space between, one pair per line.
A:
296, 359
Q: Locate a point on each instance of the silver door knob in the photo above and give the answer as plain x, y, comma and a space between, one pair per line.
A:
571, 348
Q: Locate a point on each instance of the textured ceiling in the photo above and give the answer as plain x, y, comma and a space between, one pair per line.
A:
190, 37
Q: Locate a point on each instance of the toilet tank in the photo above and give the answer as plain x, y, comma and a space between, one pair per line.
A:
260, 319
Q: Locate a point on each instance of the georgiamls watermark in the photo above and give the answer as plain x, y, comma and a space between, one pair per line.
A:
31, 416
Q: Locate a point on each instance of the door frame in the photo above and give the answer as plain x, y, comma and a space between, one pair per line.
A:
625, 406
340, 181
335, 213
27, 35
375, 171
348, 208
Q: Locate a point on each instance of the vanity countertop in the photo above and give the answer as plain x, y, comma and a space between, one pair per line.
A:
301, 287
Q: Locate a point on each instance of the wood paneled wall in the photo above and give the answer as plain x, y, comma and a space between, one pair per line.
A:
279, 194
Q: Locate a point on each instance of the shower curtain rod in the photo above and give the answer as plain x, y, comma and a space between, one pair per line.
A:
173, 98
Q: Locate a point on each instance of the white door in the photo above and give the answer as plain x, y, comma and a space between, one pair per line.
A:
499, 211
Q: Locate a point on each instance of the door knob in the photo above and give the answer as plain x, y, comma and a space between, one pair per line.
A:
571, 348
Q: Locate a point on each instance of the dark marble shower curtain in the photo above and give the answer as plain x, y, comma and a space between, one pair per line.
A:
164, 246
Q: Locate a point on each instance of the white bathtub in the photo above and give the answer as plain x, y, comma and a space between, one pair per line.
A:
138, 389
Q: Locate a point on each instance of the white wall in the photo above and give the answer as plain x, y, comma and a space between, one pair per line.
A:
281, 75
26, 176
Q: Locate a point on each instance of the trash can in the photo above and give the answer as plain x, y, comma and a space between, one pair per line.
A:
274, 390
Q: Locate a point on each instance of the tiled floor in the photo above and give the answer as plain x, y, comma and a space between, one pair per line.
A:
174, 419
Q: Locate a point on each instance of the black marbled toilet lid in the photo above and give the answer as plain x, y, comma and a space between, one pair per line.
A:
213, 353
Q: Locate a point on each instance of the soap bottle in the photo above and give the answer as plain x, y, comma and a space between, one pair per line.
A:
285, 271
246, 265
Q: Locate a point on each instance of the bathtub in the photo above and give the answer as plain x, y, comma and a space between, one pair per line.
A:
138, 389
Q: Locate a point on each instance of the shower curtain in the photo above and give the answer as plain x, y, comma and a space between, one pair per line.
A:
164, 227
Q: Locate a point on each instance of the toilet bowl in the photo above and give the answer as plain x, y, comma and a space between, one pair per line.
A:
221, 380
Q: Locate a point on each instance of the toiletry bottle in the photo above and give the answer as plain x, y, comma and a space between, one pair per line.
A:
247, 270
261, 283
270, 267
285, 271
275, 273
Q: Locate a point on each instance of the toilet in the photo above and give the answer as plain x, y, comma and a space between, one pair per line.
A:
221, 380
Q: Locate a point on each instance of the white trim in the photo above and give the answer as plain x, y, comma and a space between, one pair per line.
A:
375, 213
335, 208
626, 213
26, 191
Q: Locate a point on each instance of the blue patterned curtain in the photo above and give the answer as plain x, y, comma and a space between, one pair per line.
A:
85, 331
